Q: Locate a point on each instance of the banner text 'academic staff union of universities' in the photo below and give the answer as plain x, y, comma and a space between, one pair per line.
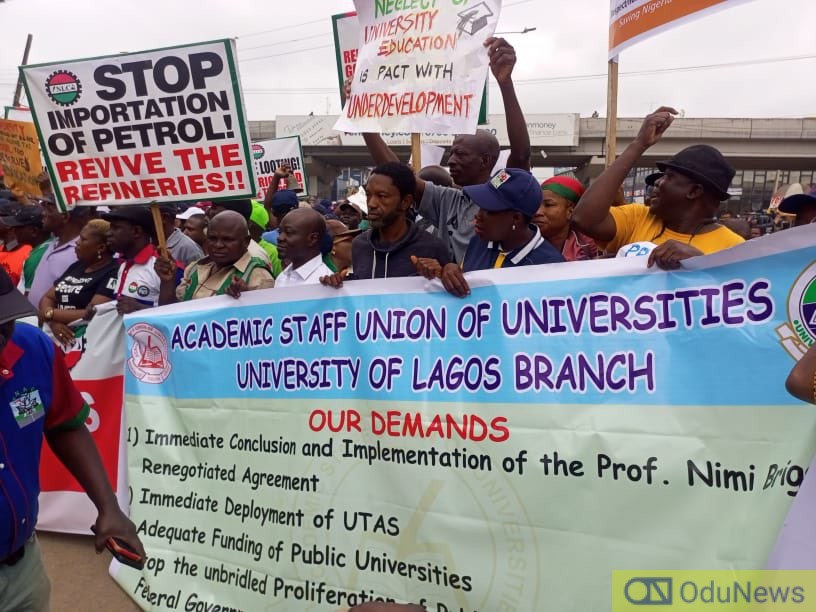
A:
312, 449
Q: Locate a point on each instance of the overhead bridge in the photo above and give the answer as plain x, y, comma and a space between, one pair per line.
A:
565, 140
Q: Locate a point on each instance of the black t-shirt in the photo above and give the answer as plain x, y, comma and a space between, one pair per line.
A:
76, 288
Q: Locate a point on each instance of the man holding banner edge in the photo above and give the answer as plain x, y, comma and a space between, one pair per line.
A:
36, 384
682, 211
471, 160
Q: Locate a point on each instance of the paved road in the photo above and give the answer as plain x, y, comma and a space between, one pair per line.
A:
79, 577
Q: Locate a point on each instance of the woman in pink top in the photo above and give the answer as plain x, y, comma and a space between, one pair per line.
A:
558, 198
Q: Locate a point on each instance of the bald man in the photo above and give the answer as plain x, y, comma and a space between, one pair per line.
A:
301, 235
227, 269
471, 160
436, 175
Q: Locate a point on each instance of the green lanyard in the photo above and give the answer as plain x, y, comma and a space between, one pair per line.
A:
254, 264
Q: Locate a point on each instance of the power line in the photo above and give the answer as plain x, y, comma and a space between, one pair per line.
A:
283, 42
584, 77
287, 27
325, 20
252, 59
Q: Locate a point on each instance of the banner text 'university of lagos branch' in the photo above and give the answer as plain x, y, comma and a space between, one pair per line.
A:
310, 449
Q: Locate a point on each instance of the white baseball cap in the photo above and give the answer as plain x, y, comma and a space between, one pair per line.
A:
190, 212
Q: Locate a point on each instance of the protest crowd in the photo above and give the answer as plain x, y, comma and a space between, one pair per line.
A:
441, 223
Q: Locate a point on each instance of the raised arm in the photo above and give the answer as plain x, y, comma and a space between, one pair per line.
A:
282, 172
166, 271
591, 214
502, 61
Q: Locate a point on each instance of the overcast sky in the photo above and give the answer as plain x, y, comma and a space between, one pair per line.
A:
293, 44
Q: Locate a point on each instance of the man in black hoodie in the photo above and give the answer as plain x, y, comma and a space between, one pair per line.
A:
385, 250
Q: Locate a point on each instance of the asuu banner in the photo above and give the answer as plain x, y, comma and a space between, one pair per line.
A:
312, 449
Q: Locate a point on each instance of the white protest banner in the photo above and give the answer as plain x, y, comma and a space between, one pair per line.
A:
631, 21
315, 449
346, 28
162, 125
501, 163
98, 365
421, 67
269, 155
17, 113
431, 155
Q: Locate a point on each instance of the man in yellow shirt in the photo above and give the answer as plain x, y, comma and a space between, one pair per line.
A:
681, 218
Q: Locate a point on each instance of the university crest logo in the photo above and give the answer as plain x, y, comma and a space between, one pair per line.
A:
148, 354
799, 333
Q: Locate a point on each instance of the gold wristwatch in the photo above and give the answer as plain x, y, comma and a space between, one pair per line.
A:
49, 314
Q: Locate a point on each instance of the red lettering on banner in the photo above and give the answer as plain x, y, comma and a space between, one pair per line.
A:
166, 186
341, 420
108, 167
428, 103
201, 158
396, 424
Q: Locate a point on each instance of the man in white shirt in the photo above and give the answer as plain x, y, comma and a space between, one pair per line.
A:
301, 236
131, 235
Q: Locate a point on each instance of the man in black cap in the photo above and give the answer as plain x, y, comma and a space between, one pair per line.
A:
650, 181
39, 399
28, 228
13, 252
681, 218
181, 247
131, 235
802, 205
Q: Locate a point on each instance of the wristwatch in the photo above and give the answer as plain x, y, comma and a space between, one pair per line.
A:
49, 314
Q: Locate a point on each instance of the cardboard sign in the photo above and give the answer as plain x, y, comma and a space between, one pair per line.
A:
161, 125
269, 155
418, 69
20, 155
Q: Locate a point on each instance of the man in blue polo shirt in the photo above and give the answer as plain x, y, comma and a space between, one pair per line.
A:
37, 397
505, 236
